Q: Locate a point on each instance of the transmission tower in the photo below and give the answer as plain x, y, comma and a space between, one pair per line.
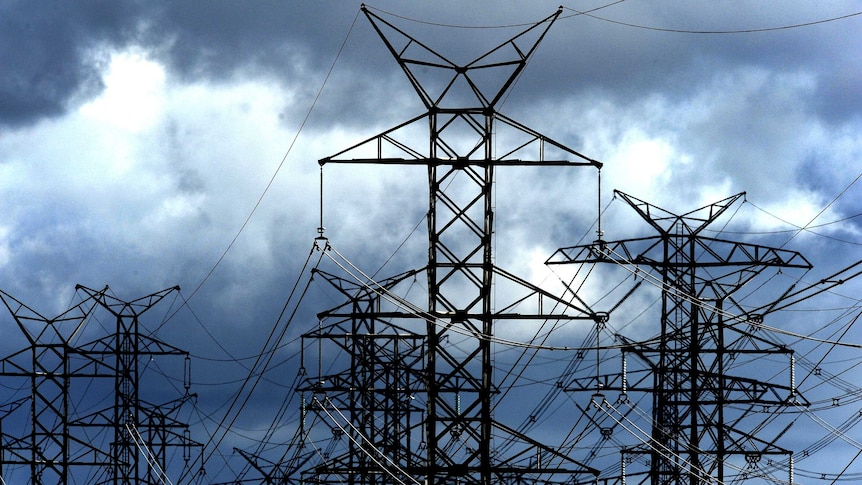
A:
61, 438
709, 381
45, 364
135, 422
411, 405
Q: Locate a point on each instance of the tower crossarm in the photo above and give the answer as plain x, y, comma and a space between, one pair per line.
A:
543, 303
745, 442
418, 60
630, 382
746, 390
40, 330
568, 465
132, 308
16, 451
666, 222
710, 252
350, 288
524, 147
264, 467
795, 295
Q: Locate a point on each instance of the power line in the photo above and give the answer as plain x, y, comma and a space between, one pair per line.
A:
480, 27
368, 443
149, 456
256, 366
372, 285
652, 280
795, 227
834, 199
699, 31
280, 164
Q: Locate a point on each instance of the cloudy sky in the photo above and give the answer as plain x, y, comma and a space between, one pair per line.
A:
145, 145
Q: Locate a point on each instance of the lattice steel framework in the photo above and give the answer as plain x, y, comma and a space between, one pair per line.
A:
46, 364
60, 438
368, 399
134, 421
702, 396
467, 141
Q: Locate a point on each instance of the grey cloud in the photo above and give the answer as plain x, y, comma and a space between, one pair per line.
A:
839, 96
583, 55
50, 48
50, 51
47, 53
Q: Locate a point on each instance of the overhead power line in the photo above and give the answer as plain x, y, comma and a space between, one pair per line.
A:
718, 31
463, 26
589, 13
258, 368
280, 164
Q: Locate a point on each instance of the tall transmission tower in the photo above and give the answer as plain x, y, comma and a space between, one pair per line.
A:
415, 406
46, 365
136, 424
63, 378
709, 379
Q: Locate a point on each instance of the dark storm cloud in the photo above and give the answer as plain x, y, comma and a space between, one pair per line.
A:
657, 53
53, 53
47, 53
214, 39
50, 50
840, 91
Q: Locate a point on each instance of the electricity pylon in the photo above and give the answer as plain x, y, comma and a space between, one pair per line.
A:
411, 404
136, 424
708, 385
64, 377
45, 363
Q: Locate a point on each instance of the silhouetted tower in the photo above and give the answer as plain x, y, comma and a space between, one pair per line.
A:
46, 364
705, 401
368, 400
468, 139
60, 371
137, 425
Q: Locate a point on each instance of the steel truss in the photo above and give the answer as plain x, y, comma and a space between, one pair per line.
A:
396, 354
369, 399
702, 396
60, 439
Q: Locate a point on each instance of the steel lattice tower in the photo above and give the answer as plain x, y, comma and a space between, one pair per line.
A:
123, 351
697, 386
373, 390
60, 439
46, 364
468, 139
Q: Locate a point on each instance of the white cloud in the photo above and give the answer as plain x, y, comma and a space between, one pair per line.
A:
641, 164
4, 246
134, 93
152, 172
